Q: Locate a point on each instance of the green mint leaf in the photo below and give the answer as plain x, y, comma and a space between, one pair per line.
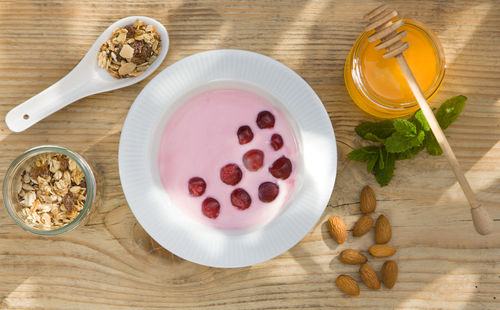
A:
409, 154
372, 137
404, 127
449, 111
417, 149
381, 154
364, 153
399, 142
380, 130
420, 138
371, 163
432, 145
419, 116
404, 155
384, 175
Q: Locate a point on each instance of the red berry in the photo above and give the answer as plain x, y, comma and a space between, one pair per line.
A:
265, 119
245, 134
231, 174
276, 141
268, 191
210, 208
240, 199
281, 168
196, 186
253, 160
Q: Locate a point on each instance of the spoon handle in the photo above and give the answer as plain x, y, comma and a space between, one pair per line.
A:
67, 90
480, 217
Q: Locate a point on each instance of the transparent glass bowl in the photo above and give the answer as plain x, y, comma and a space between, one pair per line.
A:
366, 99
13, 174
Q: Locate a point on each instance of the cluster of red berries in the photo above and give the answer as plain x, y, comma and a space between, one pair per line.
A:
253, 160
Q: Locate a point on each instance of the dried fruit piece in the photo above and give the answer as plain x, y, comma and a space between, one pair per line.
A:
130, 31
383, 231
281, 168
381, 250
42, 171
231, 174
142, 51
241, 199
348, 285
253, 160
68, 202
276, 141
268, 191
369, 277
363, 226
389, 273
245, 134
352, 257
210, 208
337, 229
265, 119
368, 202
196, 186
64, 164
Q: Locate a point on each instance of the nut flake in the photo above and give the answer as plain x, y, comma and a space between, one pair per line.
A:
52, 191
126, 52
126, 68
130, 51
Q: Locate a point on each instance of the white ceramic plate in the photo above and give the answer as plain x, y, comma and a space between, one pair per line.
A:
138, 158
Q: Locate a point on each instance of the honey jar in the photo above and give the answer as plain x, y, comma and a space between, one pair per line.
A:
377, 85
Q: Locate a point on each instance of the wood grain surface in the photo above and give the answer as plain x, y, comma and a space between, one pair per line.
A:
111, 263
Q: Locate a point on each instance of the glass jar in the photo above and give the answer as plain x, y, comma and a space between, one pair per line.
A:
378, 87
12, 177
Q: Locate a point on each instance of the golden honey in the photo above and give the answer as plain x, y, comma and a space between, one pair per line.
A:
378, 86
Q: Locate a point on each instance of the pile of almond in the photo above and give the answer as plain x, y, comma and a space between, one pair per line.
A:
380, 249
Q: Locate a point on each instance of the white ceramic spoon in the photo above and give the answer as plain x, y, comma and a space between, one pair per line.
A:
87, 78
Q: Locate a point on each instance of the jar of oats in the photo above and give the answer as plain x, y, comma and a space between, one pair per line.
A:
49, 190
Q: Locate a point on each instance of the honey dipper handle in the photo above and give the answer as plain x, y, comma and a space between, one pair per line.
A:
480, 217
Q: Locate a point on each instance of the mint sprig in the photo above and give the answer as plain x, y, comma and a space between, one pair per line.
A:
401, 139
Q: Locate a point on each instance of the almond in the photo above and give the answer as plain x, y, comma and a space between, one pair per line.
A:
362, 226
368, 202
381, 250
389, 273
348, 285
383, 231
337, 229
352, 257
369, 277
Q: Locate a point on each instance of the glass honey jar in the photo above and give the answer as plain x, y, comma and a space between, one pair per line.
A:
377, 85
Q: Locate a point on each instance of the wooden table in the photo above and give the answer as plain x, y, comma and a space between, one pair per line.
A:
113, 264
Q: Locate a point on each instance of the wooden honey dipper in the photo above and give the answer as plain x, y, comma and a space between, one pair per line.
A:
385, 22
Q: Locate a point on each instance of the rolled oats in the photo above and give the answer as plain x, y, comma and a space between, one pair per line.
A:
52, 191
130, 51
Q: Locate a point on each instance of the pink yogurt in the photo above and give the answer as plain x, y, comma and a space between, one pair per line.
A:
200, 138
